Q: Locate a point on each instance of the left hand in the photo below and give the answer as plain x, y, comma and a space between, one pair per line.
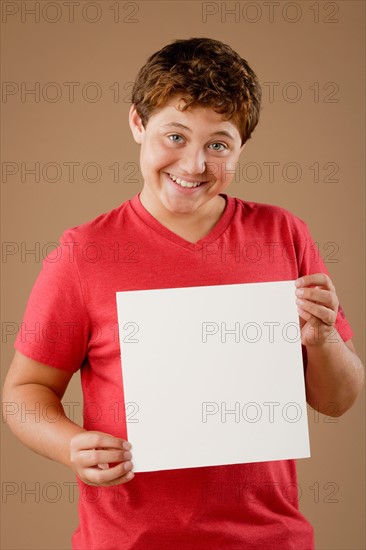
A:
317, 304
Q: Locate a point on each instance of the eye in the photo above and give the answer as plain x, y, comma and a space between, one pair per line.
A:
174, 135
222, 145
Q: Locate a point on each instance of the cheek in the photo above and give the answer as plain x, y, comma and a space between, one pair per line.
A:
223, 169
229, 168
159, 156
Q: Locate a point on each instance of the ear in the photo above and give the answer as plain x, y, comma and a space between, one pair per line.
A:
136, 125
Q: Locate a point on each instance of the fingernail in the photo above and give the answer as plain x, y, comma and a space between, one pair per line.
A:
299, 292
126, 445
103, 466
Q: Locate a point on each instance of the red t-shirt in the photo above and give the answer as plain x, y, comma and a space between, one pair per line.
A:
71, 323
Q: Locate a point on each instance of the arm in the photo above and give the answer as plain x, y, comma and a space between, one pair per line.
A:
35, 386
335, 374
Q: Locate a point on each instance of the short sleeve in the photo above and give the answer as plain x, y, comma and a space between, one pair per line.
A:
312, 262
55, 326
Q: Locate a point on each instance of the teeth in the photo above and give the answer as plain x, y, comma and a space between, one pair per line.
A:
184, 183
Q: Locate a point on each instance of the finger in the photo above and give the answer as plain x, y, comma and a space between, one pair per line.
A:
92, 457
321, 296
319, 312
119, 480
304, 316
91, 440
321, 279
104, 477
123, 479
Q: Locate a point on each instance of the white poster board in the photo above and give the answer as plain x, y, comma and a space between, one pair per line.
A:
212, 375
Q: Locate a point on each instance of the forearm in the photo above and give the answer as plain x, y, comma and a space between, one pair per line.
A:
35, 415
334, 374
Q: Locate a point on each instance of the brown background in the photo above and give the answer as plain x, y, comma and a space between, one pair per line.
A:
317, 45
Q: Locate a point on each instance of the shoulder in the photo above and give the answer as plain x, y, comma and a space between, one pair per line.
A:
263, 214
102, 227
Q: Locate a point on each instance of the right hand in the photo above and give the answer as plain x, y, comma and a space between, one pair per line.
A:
91, 453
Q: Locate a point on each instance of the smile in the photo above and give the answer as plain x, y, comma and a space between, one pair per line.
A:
184, 183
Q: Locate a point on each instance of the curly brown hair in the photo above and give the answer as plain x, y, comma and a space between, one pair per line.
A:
208, 73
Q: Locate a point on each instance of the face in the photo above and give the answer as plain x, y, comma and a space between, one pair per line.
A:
186, 158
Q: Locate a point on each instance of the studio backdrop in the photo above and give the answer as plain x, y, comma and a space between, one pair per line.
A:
68, 155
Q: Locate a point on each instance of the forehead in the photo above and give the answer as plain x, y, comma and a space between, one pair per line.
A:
205, 119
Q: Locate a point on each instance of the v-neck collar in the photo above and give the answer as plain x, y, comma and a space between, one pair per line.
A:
220, 226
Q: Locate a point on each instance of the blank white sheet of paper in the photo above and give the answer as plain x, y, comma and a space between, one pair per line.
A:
212, 375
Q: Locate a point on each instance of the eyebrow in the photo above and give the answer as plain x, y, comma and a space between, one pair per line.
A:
218, 133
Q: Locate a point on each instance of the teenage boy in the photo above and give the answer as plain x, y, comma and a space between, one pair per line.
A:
195, 104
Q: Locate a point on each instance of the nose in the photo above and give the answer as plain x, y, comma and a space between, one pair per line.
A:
193, 161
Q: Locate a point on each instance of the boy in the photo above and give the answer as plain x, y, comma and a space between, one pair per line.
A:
195, 104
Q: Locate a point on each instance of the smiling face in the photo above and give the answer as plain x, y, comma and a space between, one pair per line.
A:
186, 159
